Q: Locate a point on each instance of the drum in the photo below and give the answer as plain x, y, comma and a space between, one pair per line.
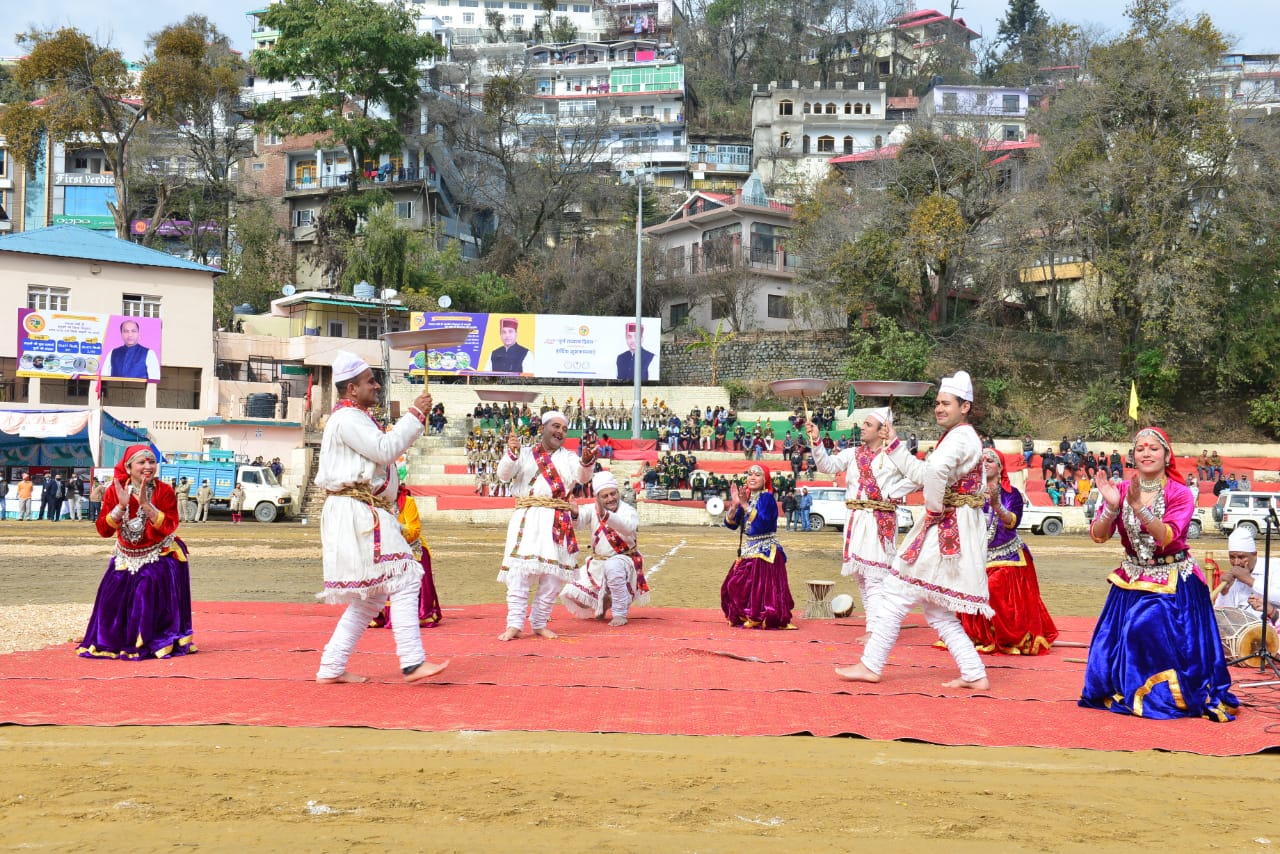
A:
1241, 633
715, 505
818, 607
842, 605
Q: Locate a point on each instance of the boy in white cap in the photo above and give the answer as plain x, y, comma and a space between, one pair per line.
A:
1244, 589
366, 557
541, 553
942, 564
874, 487
613, 577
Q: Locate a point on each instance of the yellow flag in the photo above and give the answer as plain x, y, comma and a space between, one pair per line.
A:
1133, 400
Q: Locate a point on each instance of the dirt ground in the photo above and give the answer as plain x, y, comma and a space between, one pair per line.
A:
218, 788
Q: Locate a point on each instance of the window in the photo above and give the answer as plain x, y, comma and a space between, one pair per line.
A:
272, 139
3, 162
950, 102
804, 144
625, 112
304, 170
848, 145
140, 305
45, 298
848, 108
784, 139
514, 5
879, 142
1012, 133
249, 477
679, 313
785, 108
517, 20
77, 388
646, 110
779, 306
719, 308
1011, 103
831, 109
581, 8
980, 100
404, 210
826, 144
806, 108
493, 4
468, 18
303, 217
369, 328
337, 329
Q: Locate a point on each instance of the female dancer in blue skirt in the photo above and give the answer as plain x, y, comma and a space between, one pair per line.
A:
1155, 652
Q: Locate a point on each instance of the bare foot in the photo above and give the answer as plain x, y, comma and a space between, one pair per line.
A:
618, 621
545, 632
341, 679
510, 634
857, 673
864, 639
427, 670
976, 685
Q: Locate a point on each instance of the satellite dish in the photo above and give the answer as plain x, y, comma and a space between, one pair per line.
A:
445, 301
288, 290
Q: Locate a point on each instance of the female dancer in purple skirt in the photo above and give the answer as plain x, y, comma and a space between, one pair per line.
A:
143, 608
755, 594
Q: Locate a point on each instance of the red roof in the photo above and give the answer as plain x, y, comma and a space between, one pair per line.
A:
890, 152
924, 17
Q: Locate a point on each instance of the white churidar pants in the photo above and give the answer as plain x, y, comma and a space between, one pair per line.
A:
893, 607
872, 591
354, 621
518, 588
615, 578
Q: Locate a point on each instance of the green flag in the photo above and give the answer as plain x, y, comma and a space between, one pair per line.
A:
852, 396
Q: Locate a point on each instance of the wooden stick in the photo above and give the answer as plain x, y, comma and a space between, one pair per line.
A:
1077, 660
1071, 644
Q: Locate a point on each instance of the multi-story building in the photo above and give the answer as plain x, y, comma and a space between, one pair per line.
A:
978, 112
719, 163
797, 130
11, 190
725, 261
1249, 82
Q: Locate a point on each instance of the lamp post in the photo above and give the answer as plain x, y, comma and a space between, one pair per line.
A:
637, 356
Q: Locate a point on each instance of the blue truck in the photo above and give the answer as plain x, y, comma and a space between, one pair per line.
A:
264, 498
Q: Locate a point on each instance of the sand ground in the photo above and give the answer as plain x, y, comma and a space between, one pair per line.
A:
219, 788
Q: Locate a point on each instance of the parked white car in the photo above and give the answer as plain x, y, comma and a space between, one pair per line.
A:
829, 511
1244, 510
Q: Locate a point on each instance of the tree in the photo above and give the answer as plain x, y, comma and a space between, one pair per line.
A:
86, 95
193, 87
360, 62
1023, 31
711, 342
257, 266
1147, 158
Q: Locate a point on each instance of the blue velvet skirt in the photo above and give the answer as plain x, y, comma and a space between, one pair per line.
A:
1158, 655
143, 614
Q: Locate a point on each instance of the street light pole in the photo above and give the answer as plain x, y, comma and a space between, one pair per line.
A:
637, 357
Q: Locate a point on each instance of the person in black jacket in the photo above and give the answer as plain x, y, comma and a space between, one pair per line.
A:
51, 498
509, 358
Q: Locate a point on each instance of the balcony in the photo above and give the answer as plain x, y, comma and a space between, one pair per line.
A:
773, 261
387, 177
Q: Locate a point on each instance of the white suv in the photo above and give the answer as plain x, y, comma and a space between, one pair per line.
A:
829, 510
1244, 510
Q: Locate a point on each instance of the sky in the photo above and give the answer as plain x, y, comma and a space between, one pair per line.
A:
1253, 25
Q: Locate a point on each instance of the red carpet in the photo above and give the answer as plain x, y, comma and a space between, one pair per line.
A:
671, 671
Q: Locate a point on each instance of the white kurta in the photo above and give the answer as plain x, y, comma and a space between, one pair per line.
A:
363, 560
531, 549
604, 565
959, 581
865, 553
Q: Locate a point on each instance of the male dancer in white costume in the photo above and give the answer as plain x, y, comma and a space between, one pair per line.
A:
613, 577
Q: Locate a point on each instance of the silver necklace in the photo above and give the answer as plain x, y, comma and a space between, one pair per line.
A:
135, 525
1150, 485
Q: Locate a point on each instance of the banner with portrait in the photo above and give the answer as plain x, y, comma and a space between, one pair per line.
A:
542, 346
75, 345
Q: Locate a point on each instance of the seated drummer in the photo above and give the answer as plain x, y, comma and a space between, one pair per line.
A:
1243, 581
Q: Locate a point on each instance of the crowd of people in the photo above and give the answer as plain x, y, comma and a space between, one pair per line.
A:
1155, 650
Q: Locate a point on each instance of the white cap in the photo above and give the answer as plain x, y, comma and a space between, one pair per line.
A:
959, 385
603, 480
348, 366
882, 414
554, 415
1241, 540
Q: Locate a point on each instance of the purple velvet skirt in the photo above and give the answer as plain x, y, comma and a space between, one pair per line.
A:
143, 614
755, 593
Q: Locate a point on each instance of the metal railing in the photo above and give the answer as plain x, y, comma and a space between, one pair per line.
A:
341, 179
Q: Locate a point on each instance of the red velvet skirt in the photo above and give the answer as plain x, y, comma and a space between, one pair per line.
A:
1021, 625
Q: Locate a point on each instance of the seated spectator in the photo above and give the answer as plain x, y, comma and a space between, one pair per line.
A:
1047, 462
1220, 485
605, 446
1215, 465
1115, 465
1204, 469
1245, 486
1051, 487
1232, 483
1028, 451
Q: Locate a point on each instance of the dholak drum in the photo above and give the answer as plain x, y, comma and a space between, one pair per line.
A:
842, 605
1241, 634
715, 505
818, 607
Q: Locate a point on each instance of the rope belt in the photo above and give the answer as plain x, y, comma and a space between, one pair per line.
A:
960, 499
869, 504
363, 493
540, 501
